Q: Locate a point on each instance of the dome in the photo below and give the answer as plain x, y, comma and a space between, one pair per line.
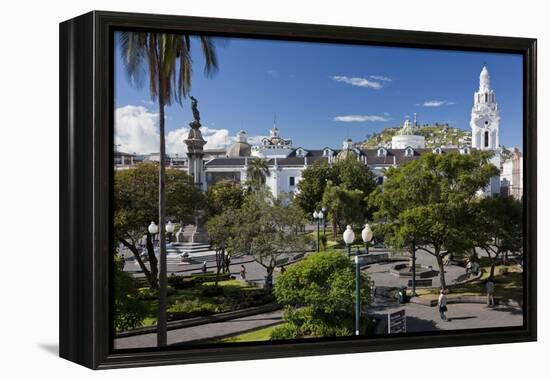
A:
347, 151
345, 154
406, 137
239, 149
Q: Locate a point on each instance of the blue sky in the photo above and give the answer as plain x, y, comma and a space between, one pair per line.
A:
322, 93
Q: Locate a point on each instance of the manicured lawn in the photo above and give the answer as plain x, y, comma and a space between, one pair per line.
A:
507, 285
251, 336
203, 299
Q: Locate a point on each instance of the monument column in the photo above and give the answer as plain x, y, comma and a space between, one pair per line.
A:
195, 152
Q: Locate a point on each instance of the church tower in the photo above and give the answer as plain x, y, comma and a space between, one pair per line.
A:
485, 117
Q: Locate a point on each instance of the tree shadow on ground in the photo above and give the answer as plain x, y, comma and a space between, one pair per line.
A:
415, 324
509, 309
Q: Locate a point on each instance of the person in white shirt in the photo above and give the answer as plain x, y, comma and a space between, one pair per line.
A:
442, 304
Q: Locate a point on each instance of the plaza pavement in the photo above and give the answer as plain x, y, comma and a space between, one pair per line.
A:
204, 332
459, 316
381, 275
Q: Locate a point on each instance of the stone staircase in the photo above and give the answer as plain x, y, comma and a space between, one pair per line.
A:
196, 251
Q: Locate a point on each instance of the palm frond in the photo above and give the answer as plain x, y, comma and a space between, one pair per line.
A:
209, 52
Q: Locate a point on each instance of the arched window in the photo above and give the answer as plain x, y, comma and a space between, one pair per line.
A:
486, 139
409, 152
381, 152
437, 150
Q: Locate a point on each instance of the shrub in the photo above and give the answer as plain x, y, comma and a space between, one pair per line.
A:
191, 308
128, 311
286, 331
181, 282
319, 295
199, 278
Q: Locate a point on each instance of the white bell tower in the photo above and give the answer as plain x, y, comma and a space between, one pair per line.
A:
485, 118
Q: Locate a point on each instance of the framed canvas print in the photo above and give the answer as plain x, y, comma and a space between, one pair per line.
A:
236, 190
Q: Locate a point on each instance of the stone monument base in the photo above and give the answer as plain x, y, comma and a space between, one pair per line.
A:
192, 234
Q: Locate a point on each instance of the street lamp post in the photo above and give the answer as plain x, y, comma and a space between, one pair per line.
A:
153, 230
366, 235
170, 229
413, 294
324, 210
318, 217
349, 237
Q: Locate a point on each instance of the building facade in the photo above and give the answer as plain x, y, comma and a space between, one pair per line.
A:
287, 163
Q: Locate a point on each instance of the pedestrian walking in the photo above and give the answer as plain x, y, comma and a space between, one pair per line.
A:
490, 289
204, 267
442, 304
475, 268
227, 263
243, 272
468, 268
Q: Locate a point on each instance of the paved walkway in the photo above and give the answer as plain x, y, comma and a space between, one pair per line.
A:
206, 331
381, 275
459, 316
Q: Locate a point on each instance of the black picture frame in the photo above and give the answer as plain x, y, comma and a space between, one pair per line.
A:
86, 141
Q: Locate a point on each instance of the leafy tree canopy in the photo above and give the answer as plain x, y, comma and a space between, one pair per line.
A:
319, 295
224, 195
429, 200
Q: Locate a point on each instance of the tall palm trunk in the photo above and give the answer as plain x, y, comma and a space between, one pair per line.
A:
161, 318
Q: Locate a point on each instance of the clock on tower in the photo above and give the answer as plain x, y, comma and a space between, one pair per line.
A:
484, 120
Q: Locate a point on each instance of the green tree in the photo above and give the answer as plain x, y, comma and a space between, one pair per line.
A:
257, 171
351, 177
344, 207
135, 197
352, 174
312, 186
497, 227
165, 60
263, 228
128, 310
224, 195
318, 294
428, 201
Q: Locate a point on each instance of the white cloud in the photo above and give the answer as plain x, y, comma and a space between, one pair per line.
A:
136, 129
357, 81
372, 81
380, 77
437, 103
362, 118
174, 141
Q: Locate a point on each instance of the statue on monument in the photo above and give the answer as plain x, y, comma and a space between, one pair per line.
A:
195, 110
194, 132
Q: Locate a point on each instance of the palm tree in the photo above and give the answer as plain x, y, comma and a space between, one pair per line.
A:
257, 171
164, 59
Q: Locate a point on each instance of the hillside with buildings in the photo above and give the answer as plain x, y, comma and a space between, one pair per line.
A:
436, 135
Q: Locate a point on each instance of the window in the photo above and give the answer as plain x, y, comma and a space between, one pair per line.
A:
486, 143
291, 181
409, 152
437, 151
381, 152
379, 180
